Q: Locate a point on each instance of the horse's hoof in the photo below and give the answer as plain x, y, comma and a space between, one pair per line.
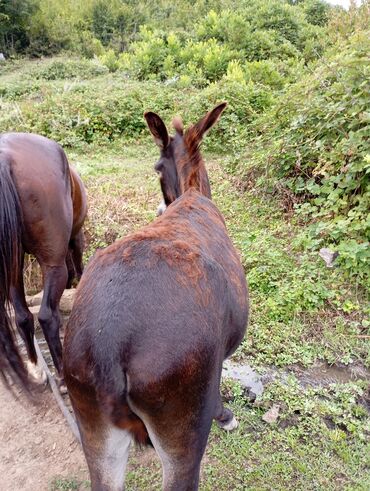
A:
36, 373
63, 389
161, 208
230, 425
61, 385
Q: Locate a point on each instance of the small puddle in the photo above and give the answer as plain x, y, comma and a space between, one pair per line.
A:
319, 375
322, 374
245, 375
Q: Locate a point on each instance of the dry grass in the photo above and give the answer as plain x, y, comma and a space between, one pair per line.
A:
122, 197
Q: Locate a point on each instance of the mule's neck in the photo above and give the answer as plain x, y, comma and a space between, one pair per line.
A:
191, 169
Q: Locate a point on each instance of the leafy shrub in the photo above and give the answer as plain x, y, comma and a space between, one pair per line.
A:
316, 144
110, 60
316, 12
264, 72
13, 91
88, 45
59, 69
158, 56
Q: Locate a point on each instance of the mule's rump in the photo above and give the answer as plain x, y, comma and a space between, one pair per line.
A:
151, 310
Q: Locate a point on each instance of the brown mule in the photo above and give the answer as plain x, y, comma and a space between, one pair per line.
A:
155, 315
42, 209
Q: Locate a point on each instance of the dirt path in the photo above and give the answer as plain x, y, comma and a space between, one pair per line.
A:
37, 446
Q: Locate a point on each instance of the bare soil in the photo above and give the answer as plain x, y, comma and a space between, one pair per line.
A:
37, 446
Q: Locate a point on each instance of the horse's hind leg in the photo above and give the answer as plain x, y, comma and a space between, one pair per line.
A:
23, 317
77, 246
70, 268
74, 258
25, 324
55, 280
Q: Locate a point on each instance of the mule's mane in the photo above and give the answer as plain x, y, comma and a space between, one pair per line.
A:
191, 169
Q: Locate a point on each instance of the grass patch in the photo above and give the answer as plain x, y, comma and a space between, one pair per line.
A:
68, 484
301, 311
319, 442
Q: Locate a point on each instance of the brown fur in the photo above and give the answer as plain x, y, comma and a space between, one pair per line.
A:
155, 315
49, 206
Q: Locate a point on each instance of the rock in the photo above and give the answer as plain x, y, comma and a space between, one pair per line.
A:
328, 256
2, 57
272, 414
34, 299
66, 302
247, 377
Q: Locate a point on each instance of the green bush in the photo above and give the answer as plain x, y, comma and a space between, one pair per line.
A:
60, 69
14, 91
315, 143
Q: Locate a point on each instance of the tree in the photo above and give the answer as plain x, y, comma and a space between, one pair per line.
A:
14, 21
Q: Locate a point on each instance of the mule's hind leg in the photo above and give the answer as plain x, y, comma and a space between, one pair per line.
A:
105, 446
55, 280
179, 431
180, 447
225, 417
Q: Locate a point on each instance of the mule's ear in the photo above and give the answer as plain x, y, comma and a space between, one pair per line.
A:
209, 120
158, 129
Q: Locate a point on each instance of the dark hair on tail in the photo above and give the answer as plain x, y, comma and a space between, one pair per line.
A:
11, 364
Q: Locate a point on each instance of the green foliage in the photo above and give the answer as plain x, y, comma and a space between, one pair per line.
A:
316, 12
68, 69
338, 405
301, 310
109, 60
317, 147
18, 83
14, 19
78, 112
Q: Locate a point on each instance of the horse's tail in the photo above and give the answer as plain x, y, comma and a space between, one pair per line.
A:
11, 364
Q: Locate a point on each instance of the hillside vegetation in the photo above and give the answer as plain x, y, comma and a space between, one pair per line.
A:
289, 163
296, 76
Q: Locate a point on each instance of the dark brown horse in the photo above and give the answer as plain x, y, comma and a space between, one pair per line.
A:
42, 209
155, 315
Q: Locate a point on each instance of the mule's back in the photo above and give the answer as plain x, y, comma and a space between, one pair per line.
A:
172, 283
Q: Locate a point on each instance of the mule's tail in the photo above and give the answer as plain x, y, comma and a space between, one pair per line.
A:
111, 391
11, 364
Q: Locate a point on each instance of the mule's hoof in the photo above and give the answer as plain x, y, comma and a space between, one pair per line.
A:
230, 425
37, 374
